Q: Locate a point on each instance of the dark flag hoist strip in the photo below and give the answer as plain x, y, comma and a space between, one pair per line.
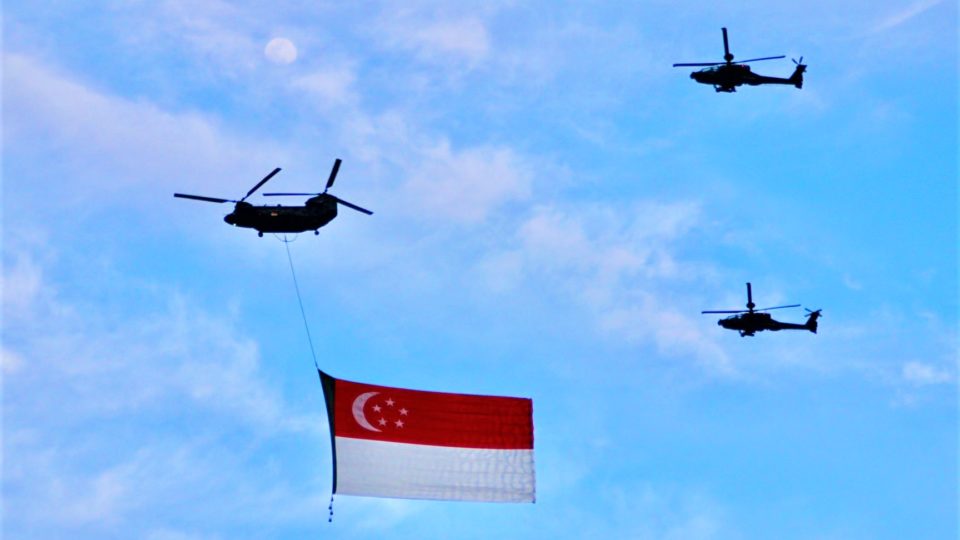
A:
413, 444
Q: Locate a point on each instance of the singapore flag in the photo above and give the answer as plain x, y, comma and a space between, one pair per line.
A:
395, 442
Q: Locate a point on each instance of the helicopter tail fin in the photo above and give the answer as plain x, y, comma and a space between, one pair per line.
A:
797, 77
811, 324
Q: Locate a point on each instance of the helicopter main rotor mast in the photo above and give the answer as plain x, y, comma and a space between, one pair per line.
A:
750, 305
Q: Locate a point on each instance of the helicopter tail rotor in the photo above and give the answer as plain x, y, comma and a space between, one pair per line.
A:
812, 316
797, 77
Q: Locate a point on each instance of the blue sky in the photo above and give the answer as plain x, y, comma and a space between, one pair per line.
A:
554, 206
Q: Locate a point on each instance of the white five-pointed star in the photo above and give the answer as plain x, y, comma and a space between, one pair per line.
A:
389, 403
382, 422
398, 423
403, 412
376, 408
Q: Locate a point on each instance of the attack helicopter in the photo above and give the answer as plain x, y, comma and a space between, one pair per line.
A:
318, 210
726, 76
750, 321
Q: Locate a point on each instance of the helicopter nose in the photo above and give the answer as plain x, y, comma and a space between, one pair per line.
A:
229, 219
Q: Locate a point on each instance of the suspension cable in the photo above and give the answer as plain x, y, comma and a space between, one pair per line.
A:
303, 313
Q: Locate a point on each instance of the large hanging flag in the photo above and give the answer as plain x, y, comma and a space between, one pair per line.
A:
395, 442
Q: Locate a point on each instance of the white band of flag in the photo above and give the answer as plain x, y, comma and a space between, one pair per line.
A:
417, 471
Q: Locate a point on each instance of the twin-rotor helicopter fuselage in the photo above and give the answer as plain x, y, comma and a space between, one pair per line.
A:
317, 211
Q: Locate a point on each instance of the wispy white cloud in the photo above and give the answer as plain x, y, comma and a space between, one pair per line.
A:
623, 269
124, 143
333, 86
94, 407
904, 15
436, 37
464, 186
217, 34
924, 374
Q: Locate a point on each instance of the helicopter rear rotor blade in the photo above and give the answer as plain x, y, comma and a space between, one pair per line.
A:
778, 307
351, 205
260, 183
290, 194
726, 47
333, 174
202, 198
758, 59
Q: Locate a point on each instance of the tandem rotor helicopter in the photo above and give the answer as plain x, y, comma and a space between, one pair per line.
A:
318, 210
750, 321
728, 75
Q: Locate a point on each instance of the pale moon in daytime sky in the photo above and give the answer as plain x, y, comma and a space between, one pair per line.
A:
280, 51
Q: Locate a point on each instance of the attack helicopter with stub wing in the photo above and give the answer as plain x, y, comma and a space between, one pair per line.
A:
726, 76
318, 210
750, 321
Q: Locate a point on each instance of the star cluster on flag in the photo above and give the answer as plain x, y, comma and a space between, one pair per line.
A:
389, 414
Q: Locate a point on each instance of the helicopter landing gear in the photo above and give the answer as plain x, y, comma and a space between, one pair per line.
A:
260, 234
316, 232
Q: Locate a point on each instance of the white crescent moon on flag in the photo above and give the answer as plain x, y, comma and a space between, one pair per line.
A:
358, 405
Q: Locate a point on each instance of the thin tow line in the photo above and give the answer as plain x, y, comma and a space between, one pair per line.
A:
303, 313
306, 326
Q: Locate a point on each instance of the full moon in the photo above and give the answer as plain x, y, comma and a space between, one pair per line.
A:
280, 51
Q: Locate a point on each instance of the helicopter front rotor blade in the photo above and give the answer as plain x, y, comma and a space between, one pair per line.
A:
351, 205
333, 174
260, 183
202, 198
290, 194
726, 311
758, 59
699, 64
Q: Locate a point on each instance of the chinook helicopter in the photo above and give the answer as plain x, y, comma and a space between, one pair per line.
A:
318, 210
726, 76
750, 321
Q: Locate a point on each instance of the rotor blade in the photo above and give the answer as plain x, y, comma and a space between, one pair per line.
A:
778, 307
726, 311
333, 174
260, 183
699, 64
201, 198
351, 205
758, 59
289, 194
726, 47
